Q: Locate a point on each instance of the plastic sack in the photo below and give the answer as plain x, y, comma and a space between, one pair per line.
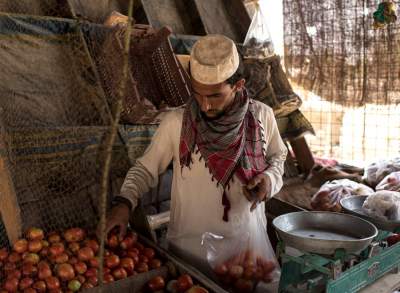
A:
384, 205
246, 259
329, 195
375, 172
258, 42
391, 182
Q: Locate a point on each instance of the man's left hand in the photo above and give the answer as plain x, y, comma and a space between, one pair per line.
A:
258, 189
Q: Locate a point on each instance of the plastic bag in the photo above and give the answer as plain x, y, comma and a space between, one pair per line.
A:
391, 182
375, 172
245, 259
384, 205
258, 42
329, 195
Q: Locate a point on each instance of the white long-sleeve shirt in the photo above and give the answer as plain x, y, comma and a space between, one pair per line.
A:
196, 200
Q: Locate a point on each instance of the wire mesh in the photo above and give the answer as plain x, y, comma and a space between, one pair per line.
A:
347, 73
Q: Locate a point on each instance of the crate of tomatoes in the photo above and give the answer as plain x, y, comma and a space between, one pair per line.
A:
67, 261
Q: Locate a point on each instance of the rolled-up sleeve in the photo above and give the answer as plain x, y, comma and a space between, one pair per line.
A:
275, 153
145, 172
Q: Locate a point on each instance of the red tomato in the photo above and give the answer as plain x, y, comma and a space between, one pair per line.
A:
65, 271
142, 267
40, 286
56, 249
119, 273
93, 244
52, 283
85, 254
112, 261
74, 235
155, 263
128, 264
156, 284
74, 247
35, 246
184, 283
54, 237
11, 285
35, 234
80, 268
20, 246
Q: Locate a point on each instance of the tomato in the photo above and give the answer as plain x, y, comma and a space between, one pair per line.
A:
54, 237
44, 252
126, 243
80, 268
92, 272
14, 274
94, 262
93, 280
243, 285
35, 234
108, 278
81, 279
149, 253
74, 285
112, 261
119, 273
74, 247
40, 286
31, 290
29, 270
9, 266
155, 263
32, 258
93, 244
44, 272
85, 254
56, 249
196, 289
35, 246
143, 258
142, 267
221, 269
236, 271
11, 285
65, 271
156, 284
20, 246
61, 258
14, 257
128, 264
74, 235
133, 255
184, 283
3, 254
52, 283
73, 260
112, 241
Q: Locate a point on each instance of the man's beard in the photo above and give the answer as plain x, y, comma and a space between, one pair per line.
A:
216, 117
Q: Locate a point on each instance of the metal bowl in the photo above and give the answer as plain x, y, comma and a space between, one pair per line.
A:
324, 232
353, 205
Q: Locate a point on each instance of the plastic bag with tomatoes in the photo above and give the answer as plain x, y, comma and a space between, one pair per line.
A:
329, 195
245, 259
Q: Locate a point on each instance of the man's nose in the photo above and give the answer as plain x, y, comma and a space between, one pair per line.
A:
205, 105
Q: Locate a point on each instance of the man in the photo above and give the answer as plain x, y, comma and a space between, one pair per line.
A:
226, 150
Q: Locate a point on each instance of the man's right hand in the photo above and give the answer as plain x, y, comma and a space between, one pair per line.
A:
118, 217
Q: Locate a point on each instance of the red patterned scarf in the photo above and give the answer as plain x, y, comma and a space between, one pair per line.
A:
231, 144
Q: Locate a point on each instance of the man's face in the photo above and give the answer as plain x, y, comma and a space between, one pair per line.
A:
213, 99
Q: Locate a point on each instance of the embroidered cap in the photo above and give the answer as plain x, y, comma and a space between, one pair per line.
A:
214, 59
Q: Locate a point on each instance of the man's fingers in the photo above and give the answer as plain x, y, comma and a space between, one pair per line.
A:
247, 194
254, 182
254, 205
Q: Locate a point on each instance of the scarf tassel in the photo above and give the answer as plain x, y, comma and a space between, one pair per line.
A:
227, 206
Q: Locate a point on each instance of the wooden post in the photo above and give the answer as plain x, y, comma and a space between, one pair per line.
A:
9, 208
303, 154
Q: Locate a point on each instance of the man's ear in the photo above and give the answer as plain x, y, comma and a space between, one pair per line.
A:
240, 84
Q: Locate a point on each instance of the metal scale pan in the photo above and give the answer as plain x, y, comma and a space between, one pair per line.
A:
353, 205
324, 232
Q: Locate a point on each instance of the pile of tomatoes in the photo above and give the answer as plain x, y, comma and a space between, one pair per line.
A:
244, 271
183, 284
67, 262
